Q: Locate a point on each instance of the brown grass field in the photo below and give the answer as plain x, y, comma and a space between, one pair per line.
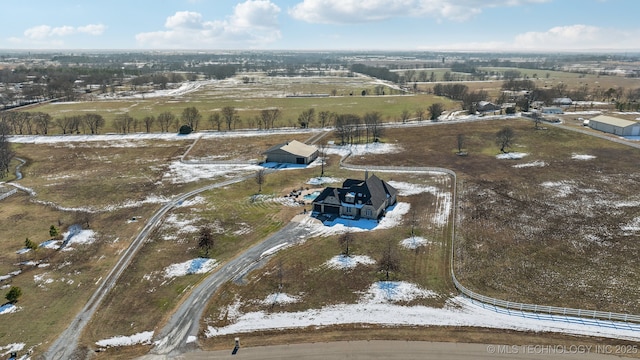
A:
560, 234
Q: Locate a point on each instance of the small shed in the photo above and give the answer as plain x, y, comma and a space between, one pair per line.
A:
614, 125
292, 152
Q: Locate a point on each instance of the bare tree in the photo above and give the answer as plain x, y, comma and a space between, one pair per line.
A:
205, 239
324, 117
389, 262
165, 120
461, 140
268, 117
148, 122
306, 118
261, 176
94, 122
229, 114
404, 115
123, 123
373, 125
191, 116
420, 114
504, 138
6, 155
215, 120
345, 240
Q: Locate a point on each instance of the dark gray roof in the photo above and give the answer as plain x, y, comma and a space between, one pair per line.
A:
371, 191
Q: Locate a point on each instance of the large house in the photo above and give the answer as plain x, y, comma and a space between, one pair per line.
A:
368, 198
292, 152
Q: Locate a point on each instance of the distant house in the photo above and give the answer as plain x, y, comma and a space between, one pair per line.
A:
551, 110
565, 101
485, 106
614, 125
292, 152
368, 198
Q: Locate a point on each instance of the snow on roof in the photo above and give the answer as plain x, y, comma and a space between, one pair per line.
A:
295, 147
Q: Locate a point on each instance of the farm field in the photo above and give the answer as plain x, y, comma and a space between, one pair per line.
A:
555, 225
249, 99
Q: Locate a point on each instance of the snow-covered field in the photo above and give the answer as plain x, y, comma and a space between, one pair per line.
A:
414, 242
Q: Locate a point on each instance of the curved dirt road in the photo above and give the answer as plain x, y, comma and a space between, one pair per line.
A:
65, 345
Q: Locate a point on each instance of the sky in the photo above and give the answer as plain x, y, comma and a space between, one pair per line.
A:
412, 25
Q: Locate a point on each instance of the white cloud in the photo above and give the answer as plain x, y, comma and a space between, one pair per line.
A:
42, 32
560, 38
92, 29
358, 11
253, 23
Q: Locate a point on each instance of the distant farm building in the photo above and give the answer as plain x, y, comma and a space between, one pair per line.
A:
368, 199
292, 152
485, 106
565, 101
614, 125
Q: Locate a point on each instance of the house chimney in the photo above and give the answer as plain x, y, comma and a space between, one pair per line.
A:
366, 175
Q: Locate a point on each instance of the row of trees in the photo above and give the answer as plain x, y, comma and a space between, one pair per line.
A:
6, 154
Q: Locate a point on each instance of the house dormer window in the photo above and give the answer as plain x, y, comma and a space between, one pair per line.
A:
350, 197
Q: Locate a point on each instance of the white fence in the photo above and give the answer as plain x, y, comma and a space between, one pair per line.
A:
7, 194
590, 317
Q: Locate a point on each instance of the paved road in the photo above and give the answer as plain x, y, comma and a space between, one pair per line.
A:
185, 322
407, 350
64, 347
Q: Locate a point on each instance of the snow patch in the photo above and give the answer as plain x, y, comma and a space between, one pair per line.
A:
82, 237
363, 149
280, 298
414, 242
458, 312
15, 347
582, 157
8, 309
344, 262
395, 291
195, 266
537, 163
511, 156
135, 339
563, 188
323, 180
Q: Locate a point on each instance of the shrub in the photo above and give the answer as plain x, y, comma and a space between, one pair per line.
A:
185, 129
13, 294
